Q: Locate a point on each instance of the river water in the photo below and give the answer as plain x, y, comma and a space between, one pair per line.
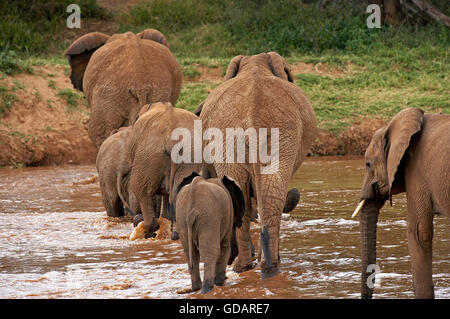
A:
56, 242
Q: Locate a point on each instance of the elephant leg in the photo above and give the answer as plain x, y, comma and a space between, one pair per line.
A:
420, 238
221, 265
133, 203
244, 260
150, 222
101, 123
164, 206
209, 246
157, 205
196, 280
270, 235
272, 196
112, 203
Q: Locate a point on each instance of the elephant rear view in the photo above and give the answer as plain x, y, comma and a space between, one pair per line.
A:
108, 163
259, 96
119, 74
207, 211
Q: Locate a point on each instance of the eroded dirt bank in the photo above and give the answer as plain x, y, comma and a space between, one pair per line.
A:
43, 120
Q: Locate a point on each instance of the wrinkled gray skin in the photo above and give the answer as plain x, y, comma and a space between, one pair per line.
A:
147, 168
207, 211
259, 92
411, 154
119, 74
109, 162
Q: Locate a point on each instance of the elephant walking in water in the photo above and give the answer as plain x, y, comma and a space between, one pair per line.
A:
208, 210
259, 94
108, 164
119, 74
411, 154
148, 168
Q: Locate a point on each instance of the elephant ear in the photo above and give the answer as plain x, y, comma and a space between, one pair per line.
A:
154, 35
292, 199
237, 196
79, 53
398, 136
143, 109
280, 67
187, 181
199, 108
233, 67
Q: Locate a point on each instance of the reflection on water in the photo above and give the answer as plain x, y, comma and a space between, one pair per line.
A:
56, 242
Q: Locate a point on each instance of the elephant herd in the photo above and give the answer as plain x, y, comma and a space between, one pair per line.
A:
132, 82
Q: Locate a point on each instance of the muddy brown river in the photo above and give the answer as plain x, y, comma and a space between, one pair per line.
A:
56, 242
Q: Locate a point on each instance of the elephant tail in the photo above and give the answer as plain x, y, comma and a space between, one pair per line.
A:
190, 239
122, 185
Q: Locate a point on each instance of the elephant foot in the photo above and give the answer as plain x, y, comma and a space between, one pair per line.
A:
137, 219
423, 291
241, 268
197, 285
150, 230
269, 272
184, 291
220, 279
175, 236
208, 285
129, 212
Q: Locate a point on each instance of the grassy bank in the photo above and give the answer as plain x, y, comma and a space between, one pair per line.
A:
349, 72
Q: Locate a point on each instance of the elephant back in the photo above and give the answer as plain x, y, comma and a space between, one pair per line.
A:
144, 69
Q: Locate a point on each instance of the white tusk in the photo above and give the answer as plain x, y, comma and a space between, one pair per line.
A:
360, 206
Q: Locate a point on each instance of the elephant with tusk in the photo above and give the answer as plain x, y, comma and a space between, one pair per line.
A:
411, 154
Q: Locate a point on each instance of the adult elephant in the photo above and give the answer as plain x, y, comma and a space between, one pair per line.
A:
119, 74
411, 154
259, 93
149, 168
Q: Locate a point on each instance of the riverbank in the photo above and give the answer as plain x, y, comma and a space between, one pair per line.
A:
42, 118
356, 78
43, 121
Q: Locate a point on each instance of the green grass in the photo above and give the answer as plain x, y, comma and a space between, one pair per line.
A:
192, 94
379, 86
381, 70
7, 99
391, 68
31, 26
71, 98
208, 28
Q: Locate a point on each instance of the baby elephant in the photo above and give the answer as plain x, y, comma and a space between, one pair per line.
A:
108, 162
207, 210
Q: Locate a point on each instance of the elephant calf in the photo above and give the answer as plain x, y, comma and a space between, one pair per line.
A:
116, 194
108, 163
207, 211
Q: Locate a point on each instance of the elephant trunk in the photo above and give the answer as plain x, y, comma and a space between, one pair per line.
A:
368, 232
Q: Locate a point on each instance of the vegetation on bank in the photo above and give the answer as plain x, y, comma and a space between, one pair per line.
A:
373, 72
